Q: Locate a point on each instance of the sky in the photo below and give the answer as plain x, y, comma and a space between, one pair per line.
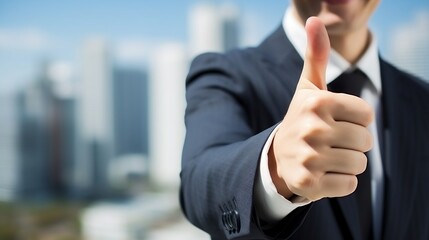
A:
32, 31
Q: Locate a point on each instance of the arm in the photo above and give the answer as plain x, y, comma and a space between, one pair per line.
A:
222, 148
224, 140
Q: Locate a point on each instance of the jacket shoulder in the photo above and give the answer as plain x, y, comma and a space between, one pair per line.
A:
228, 63
406, 79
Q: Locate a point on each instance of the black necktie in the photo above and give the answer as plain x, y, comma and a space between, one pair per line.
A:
353, 83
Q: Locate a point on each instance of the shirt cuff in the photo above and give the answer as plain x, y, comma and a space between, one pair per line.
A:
270, 205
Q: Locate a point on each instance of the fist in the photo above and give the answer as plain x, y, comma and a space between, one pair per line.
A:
320, 145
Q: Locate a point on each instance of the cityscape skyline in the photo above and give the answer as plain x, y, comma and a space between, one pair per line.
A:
89, 97
82, 140
111, 116
28, 33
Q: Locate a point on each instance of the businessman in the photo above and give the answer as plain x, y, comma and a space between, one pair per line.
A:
310, 135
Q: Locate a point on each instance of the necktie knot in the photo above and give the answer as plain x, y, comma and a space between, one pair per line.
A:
349, 82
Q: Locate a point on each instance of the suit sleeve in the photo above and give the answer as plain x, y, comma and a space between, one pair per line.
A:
221, 151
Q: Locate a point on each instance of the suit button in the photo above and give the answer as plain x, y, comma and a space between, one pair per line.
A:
236, 221
230, 218
225, 221
232, 221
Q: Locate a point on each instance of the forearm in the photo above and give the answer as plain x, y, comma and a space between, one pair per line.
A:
218, 177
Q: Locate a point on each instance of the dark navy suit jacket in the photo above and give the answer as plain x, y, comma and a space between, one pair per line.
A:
234, 101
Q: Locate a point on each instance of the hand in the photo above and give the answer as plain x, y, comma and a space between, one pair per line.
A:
319, 147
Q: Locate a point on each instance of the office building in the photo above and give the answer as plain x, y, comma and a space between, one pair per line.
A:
230, 30
36, 142
9, 152
166, 111
213, 28
130, 111
63, 127
130, 93
95, 139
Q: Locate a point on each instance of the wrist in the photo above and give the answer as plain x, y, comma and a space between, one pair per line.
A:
278, 182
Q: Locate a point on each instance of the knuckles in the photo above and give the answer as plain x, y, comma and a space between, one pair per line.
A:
318, 102
306, 175
303, 182
309, 158
313, 130
367, 116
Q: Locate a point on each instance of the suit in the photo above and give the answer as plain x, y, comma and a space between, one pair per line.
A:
235, 100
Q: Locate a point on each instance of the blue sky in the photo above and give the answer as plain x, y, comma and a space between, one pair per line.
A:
56, 29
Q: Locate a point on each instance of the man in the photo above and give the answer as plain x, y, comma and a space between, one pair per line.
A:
271, 154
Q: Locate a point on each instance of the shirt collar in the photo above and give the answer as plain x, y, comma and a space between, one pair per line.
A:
369, 63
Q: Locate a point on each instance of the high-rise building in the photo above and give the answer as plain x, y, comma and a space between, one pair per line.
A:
95, 141
230, 27
130, 93
36, 142
213, 28
166, 111
63, 125
130, 111
9, 138
66, 137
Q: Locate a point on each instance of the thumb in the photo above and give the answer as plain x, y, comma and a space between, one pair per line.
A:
316, 56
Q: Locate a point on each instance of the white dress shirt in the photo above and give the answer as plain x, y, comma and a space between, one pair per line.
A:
270, 204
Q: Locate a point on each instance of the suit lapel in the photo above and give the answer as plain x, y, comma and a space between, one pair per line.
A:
400, 105
278, 52
402, 120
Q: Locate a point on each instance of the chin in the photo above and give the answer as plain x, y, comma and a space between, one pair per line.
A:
337, 29
329, 18
335, 24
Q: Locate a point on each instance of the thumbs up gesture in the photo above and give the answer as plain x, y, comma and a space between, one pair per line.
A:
319, 147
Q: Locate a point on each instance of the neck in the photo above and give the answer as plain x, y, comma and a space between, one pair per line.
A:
351, 45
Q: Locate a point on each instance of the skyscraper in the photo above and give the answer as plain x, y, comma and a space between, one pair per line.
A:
130, 93
230, 27
213, 28
130, 111
95, 141
36, 141
9, 138
167, 105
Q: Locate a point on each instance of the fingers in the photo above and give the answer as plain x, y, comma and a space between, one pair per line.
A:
314, 187
337, 160
319, 135
316, 56
338, 121
350, 136
338, 185
352, 109
339, 107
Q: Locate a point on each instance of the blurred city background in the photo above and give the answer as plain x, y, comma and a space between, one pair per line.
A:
92, 104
